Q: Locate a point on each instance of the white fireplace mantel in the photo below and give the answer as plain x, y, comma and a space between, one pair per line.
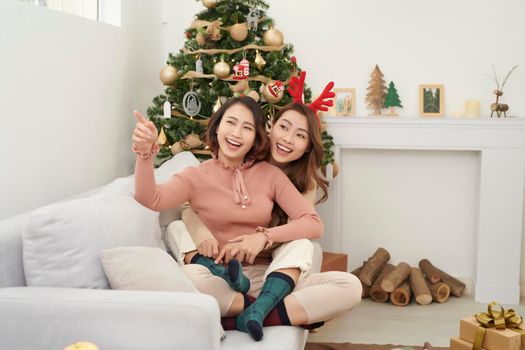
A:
501, 143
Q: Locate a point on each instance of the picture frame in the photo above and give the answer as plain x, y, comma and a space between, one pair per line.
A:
431, 100
344, 102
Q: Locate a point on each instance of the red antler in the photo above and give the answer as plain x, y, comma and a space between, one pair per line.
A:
320, 104
296, 87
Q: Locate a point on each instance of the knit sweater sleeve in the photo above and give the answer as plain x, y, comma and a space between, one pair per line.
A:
164, 196
304, 221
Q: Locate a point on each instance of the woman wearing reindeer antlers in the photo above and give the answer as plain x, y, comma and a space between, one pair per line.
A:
296, 148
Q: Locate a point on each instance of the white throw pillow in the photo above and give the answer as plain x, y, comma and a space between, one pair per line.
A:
62, 243
143, 268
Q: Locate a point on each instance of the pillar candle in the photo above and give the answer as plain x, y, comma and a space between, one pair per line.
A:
472, 108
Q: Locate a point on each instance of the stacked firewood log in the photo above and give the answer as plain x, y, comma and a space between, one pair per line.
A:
382, 281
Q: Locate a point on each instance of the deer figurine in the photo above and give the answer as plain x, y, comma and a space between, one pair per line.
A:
500, 108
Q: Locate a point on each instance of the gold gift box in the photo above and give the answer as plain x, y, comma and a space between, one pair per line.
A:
495, 339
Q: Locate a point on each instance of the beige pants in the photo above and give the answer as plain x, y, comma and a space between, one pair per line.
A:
321, 295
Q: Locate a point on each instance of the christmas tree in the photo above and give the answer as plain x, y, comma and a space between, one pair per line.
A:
375, 96
392, 99
230, 48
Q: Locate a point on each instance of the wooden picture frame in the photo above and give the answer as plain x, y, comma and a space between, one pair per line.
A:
344, 102
431, 100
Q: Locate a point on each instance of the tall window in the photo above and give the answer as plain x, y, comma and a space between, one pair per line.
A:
107, 11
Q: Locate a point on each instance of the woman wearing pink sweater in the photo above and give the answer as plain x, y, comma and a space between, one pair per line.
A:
234, 196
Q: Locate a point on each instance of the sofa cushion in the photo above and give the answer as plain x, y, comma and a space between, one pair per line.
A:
62, 243
144, 268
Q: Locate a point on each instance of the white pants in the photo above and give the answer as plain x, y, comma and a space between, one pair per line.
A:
294, 254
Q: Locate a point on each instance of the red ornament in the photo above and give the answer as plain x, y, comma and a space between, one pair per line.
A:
293, 59
188, 35
241, 70
275, 88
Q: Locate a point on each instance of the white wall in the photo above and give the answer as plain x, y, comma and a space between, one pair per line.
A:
68, 86
399, 199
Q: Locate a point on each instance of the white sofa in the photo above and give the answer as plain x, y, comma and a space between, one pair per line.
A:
48, 302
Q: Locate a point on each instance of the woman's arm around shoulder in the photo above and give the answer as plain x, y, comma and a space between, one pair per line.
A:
304, 220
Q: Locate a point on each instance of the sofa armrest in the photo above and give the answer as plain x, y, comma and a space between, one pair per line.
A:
52, 318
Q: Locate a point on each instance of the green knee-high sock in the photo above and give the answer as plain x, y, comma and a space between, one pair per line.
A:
231, 274
275, 288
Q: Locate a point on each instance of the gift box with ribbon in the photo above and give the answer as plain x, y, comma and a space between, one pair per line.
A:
494, 330
459, 344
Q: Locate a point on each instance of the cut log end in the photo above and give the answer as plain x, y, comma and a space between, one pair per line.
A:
380, 296
424, 299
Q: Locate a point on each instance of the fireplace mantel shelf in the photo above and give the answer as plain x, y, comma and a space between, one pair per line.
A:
501, 143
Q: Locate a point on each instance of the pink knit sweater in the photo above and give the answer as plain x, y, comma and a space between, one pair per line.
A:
231, 202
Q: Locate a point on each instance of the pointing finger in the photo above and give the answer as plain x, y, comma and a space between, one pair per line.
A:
139, 117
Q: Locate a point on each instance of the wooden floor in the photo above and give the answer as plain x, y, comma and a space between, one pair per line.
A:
377, 323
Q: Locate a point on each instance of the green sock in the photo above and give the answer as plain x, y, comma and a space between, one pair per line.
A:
231, 274
275, 288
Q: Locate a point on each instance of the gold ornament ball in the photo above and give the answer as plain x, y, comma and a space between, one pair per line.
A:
271, 98
176, 148
210, 3
221, 69
273, 37
193, 140
254, 95
239, 31
168, 75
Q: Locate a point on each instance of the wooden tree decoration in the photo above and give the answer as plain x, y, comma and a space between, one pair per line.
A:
392, 99
375, 97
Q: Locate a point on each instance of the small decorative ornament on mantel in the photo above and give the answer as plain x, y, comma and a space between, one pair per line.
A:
392, 100
500, 108
375, 97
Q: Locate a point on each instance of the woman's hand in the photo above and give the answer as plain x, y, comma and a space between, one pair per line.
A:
228, 252
250, 246
209, 248
145, 133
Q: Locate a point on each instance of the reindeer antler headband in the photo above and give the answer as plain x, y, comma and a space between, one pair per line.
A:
296, 87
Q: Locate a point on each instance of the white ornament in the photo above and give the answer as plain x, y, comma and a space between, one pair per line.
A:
198, 66
167, 109
253, 18
191, 104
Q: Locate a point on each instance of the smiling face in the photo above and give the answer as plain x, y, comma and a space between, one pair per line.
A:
289, 138
235, 134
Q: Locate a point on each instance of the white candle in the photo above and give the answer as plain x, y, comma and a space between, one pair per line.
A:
167, 109
472, 108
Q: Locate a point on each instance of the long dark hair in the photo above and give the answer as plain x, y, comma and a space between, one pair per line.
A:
259, 149
304, 172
